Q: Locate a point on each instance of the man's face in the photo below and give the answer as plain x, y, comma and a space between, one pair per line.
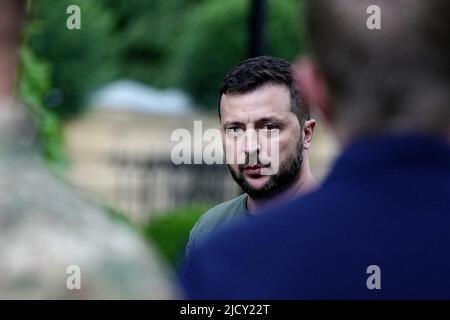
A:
252, 123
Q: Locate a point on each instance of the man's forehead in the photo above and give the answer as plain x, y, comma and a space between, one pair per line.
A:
267, 101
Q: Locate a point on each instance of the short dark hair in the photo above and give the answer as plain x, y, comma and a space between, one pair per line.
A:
253, 73
391, 78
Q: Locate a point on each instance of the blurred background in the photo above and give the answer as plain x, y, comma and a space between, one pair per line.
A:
107, 97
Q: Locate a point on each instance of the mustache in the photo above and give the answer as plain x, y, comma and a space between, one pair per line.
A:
247, 164
259, 162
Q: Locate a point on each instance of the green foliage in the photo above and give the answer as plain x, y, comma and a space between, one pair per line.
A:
81, 60
170, 231
148, 31
215, 39
186, 43
167, 231
33, 85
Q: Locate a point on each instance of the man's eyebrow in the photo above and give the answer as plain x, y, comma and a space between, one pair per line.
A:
232, 123
268, 119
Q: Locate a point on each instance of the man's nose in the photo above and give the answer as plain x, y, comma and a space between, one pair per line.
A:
251, 144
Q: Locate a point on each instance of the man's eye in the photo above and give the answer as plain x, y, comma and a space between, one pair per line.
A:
234, 130
269, 127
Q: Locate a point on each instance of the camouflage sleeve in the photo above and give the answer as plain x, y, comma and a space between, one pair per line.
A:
56, 245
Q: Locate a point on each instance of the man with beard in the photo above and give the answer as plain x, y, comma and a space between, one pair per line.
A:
267, 130
378, 226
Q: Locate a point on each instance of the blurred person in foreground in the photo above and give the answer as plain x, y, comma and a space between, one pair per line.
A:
257, 98
378, 227
53, 244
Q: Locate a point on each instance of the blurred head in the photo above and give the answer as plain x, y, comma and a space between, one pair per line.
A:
260, 107
395, 79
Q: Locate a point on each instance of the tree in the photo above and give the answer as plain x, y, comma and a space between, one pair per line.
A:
216, 39
148, 31
79, 60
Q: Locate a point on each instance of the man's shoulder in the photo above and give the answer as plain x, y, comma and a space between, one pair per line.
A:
217, 217
225, 209
82, 228
224, 212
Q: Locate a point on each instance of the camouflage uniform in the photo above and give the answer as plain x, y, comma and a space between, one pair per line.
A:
45, 227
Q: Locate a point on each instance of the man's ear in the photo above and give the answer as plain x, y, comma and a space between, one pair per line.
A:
308, 131
312, 85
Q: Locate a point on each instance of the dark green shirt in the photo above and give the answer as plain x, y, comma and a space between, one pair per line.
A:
214, 219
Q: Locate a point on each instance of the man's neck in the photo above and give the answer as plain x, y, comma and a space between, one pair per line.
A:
304, 184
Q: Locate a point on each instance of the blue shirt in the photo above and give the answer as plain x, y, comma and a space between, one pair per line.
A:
386, 203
